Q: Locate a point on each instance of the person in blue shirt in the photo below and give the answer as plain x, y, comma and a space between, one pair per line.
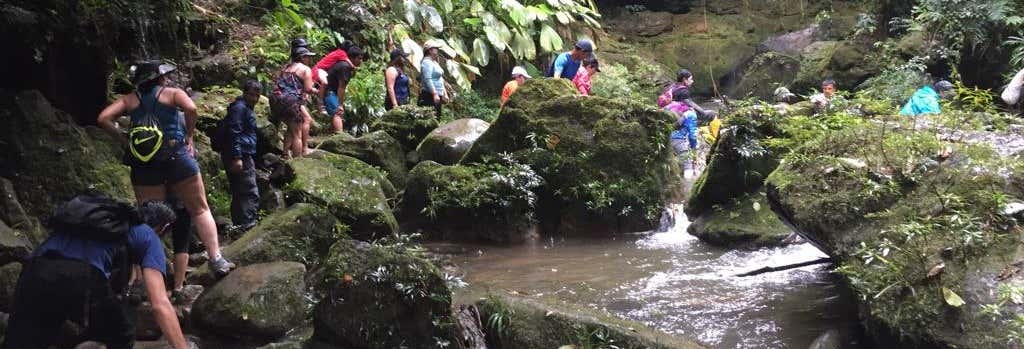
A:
684, 138
68, 278
237, 155
567, 64
926, 99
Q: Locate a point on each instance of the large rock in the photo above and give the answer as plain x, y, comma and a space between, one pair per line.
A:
448, 143
530, 324
261, 300
748, 222
378, 296
14, 246
12, 212
8, 281
407, 124
375, 148
927, 242
605, 162
49, 159
843, 61
471, 202
352, 190
301, 233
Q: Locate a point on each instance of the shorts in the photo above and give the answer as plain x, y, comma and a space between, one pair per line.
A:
331, 103
178, 167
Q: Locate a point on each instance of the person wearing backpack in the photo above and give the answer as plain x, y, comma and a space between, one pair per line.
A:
684, 138
567, 64
288, 101
68, 275
237, 147
684, 79
160, 149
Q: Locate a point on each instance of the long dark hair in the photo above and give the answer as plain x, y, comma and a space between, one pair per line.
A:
148, 86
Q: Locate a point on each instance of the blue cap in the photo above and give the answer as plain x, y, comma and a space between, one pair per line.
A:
585, 45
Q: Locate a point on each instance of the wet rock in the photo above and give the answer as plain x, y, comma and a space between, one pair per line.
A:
407, 124
352, 190
469, 202
604, 162
531, 324
12, 213
261, 300
747, 222
642, 24
50, 159
375, 148
842, 61
792, 43
470, 328
827, 340
213, 70
8, 281
761, 75
14, 246
448, 143
301, 233
378, 296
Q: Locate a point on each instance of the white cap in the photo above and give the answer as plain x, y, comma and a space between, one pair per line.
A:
520, 71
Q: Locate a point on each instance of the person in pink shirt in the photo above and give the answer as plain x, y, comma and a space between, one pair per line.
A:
582, 80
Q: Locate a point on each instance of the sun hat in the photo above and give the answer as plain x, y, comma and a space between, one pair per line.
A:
520, 71
147, 71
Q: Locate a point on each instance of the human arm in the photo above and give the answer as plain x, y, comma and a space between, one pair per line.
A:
236, 127
1011, 94
184, 102
390, 76
107, 117
559, 65
163, 311
696, 107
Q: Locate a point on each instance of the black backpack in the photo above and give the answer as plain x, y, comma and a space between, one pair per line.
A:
101, 218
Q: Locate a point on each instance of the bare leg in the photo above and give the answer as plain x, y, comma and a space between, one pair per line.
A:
180, 266
338, 124
307, 122
193, 194
145, 193
293, 139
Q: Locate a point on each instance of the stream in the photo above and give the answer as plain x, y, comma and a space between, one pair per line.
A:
675, 283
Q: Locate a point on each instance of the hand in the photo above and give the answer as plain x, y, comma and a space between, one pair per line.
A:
340, 113
437, 99
236, 166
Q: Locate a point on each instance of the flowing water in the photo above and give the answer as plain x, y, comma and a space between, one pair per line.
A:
673, 282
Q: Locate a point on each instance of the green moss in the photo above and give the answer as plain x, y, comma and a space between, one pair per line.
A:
262, 300
747, 221
375, 148
302, 233
407, 124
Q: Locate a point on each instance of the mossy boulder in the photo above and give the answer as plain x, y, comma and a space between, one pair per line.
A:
352, 190
212, 104
301, 233
531, 324
606, 164
260, 300
844, 61
471, 202
50, 159
762, 75
375, 148
927, 241
8, 281
14, 246
380, 296
746, 222
14, 215
407, 124
448, 143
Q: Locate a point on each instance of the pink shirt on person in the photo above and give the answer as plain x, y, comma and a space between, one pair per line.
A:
582, 81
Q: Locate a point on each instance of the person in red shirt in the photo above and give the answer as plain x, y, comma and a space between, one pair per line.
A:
582, 80
519, 76
340, 54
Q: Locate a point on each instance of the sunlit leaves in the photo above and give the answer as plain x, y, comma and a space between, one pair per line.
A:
549, 39
481, 52
523, 46
411, 12
414, 50
952, 298
497, 32
432, 18
459, 47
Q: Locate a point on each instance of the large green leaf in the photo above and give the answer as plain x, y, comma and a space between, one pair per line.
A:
433, 18
519, 16
470, 68
563, 17
445, 5
411, 13
481, 52
456, 73
549, 39
443, 46
523, 46
459, 47
952, 298
538, 13
476, 8
497, 32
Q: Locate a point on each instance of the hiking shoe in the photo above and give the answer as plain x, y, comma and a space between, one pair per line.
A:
221, 267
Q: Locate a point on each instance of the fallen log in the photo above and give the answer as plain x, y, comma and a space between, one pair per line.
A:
822, 260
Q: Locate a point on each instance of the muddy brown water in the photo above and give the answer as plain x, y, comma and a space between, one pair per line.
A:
675, 283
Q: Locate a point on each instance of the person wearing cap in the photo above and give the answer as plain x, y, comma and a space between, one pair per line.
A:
582, 80
926, 99
176, 171
396, 83
338, 77
519, 76
684, 137
567, 63
432, 92
339, 54
288, 101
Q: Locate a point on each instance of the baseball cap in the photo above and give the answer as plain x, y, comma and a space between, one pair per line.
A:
585, 45
398, 53
520, 71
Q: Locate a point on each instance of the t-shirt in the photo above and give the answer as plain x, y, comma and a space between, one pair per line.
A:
144, 245
340, 73
508, 90
582, 82
566, 65
331, 58
924, 101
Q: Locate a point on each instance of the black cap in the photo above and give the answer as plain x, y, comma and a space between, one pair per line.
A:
299, 52
299, 42
592, 62
148, 70
398, 53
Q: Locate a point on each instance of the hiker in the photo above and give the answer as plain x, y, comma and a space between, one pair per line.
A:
683, 77
519, 76
822, 101
339, 54
161, 153
288, 101
432, 91
69, 275
567, 64
926, 99
396, 82
582, 80
684, 138
684, 80
1011, 94
338, 77
237, 147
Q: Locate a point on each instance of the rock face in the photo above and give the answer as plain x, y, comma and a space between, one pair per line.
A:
448, 143
14, 246
261, 300
301, 233
749, 222
471, 202
380, 297
375, 148
14, 215
8, 282
926, 241
605, 163
529, 324
41, 141
408, 124
349, 188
